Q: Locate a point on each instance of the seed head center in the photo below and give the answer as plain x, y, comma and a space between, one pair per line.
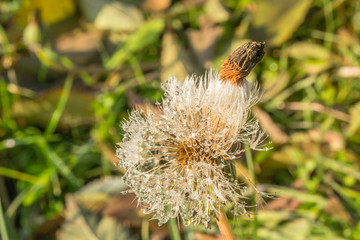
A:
192, 150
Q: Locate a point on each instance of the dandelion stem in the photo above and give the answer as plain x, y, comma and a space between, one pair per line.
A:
174, 231
145, 229
250, 165
224, 226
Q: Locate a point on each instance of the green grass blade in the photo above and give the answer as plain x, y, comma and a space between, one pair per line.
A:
340, 167
41, 184
147, 34
10, 173
3, 229
281, 97
137, 70
61, 105
304, 197
5, 101
59, 164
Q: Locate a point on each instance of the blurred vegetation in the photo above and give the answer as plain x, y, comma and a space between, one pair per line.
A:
71, 70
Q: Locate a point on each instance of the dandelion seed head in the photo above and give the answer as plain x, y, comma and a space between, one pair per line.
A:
180, 163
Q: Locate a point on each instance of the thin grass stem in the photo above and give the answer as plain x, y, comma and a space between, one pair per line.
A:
55, 118
3, 230
137, 70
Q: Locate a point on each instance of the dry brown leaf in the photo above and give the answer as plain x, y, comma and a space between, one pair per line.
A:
283, 203
38, 111
109, 153
124, 209
157, 5
80, 224
193, 2
137, 102
47, 230
317, 107
335, 140
80, 47
93, 202
336, 208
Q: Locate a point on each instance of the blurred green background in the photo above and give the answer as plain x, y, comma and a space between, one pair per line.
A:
71, 70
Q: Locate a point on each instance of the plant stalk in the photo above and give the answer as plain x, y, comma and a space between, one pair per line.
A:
224, 226
145, 229
174, 232
250, 164
3, 233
